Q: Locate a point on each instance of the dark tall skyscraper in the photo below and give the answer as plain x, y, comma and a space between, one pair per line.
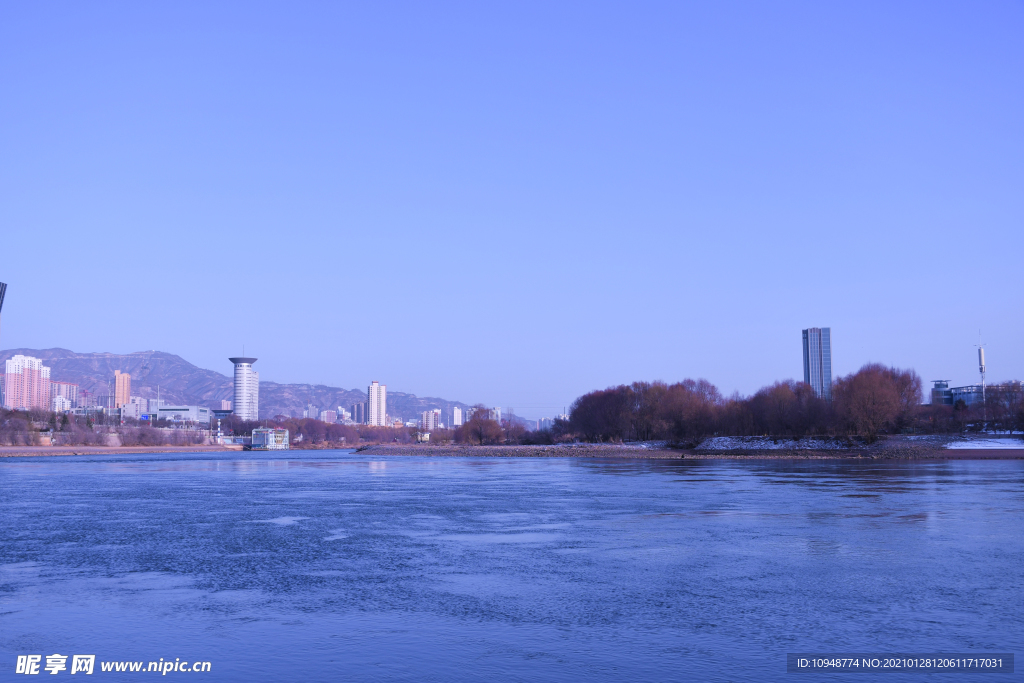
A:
3, 291
818, 360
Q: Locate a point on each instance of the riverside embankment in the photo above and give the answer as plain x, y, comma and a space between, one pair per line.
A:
30, 451
894, 447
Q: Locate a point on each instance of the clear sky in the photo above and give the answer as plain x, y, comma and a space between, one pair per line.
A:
515, 203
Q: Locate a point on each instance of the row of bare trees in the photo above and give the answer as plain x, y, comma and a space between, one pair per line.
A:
28, 428
872, 401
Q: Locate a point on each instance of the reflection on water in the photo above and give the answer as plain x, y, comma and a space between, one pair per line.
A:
328, 565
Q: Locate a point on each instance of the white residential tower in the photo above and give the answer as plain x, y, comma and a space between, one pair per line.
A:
376, 404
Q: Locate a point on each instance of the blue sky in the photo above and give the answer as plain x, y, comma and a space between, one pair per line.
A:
515, 203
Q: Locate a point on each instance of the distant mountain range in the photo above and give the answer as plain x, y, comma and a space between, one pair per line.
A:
181, 383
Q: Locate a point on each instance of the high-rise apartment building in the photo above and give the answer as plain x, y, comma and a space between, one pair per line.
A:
376, 404
26, 384
818, 360
122, 388
456, 416
247, 389
430, 419
359, 413
329, 416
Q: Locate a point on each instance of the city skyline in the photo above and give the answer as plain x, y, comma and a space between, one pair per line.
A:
119, 386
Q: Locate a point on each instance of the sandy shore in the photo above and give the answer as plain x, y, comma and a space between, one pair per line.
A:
26, 451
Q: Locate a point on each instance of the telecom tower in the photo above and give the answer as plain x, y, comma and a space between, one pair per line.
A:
981, 371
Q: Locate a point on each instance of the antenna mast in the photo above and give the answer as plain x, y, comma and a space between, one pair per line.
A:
981, 371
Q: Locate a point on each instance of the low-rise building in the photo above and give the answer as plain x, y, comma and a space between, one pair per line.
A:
269, 439
131, 410
62, 405
942, 395
192, 414
970, 394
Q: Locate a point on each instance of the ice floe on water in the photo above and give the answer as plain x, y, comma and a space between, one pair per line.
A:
281, 521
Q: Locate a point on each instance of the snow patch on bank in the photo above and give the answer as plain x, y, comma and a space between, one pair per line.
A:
987, 444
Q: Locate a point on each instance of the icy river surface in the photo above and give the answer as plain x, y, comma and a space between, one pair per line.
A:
331, 566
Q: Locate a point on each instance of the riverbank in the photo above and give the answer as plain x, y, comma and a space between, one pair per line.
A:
572, 450
883, 450
892, 449
29, 451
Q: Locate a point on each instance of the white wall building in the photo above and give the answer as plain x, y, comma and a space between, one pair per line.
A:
196, 414
247, 389
456, 416
135, 408
62, 404
376, 404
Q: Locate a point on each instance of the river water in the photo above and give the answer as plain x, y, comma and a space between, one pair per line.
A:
333, 566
